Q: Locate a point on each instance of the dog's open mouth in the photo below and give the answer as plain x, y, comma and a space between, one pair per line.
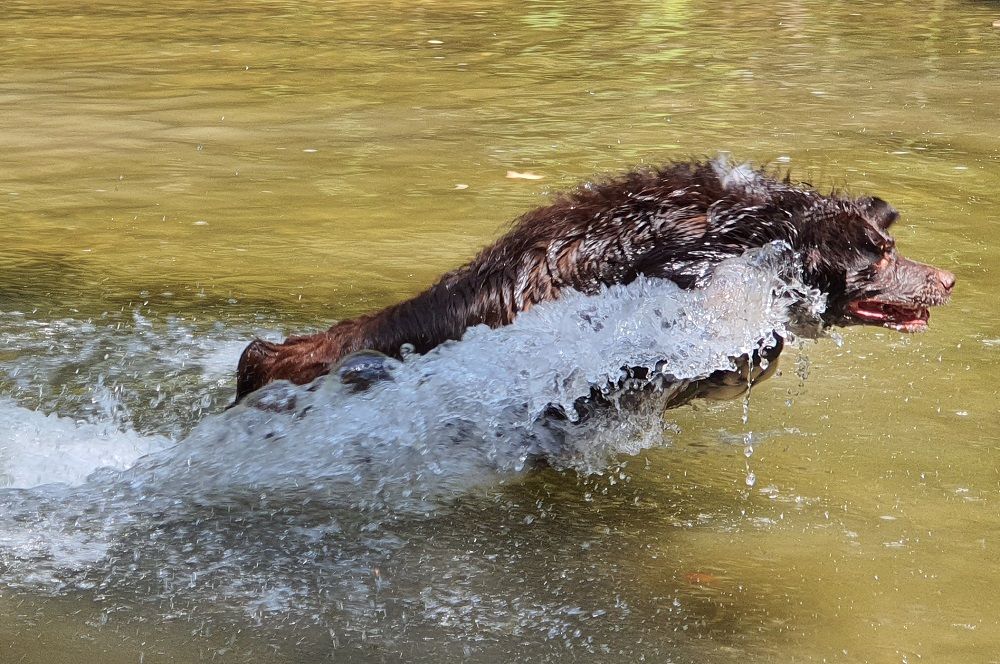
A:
896, 316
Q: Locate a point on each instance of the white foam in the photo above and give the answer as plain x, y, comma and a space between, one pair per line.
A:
324, 460
468, 412
40, 449
155, 375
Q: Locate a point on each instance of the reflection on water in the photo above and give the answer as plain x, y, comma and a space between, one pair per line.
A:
179, 176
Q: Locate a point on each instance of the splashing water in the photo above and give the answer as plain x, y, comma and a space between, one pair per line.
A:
123, 368
38, 449
304, 482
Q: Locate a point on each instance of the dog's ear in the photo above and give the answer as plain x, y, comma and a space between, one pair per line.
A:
879, 212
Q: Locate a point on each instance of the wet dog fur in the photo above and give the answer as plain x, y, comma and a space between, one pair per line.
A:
675, 222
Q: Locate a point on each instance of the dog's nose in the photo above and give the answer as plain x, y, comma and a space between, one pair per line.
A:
947, 280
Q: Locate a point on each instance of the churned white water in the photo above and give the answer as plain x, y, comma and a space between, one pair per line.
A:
38, 449
249, 499
124, 368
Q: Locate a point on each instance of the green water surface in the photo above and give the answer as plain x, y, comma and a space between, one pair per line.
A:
290, 163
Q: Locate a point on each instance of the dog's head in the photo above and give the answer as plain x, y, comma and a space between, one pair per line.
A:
849, 255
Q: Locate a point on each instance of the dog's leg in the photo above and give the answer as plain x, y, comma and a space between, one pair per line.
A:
360, 370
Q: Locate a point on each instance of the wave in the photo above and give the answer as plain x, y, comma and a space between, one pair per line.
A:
321, 467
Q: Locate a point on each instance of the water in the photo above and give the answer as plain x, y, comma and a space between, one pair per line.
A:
178, 177
154, 374
325, 478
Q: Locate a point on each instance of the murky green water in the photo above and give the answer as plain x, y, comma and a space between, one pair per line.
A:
227, 168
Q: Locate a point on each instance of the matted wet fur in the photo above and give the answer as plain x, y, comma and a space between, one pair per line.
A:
676, 222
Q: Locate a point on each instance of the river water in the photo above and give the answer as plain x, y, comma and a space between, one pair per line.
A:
178, 177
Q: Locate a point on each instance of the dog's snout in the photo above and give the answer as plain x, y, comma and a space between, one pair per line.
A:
946, 279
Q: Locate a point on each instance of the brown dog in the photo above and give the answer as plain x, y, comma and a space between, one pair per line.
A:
676, 222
